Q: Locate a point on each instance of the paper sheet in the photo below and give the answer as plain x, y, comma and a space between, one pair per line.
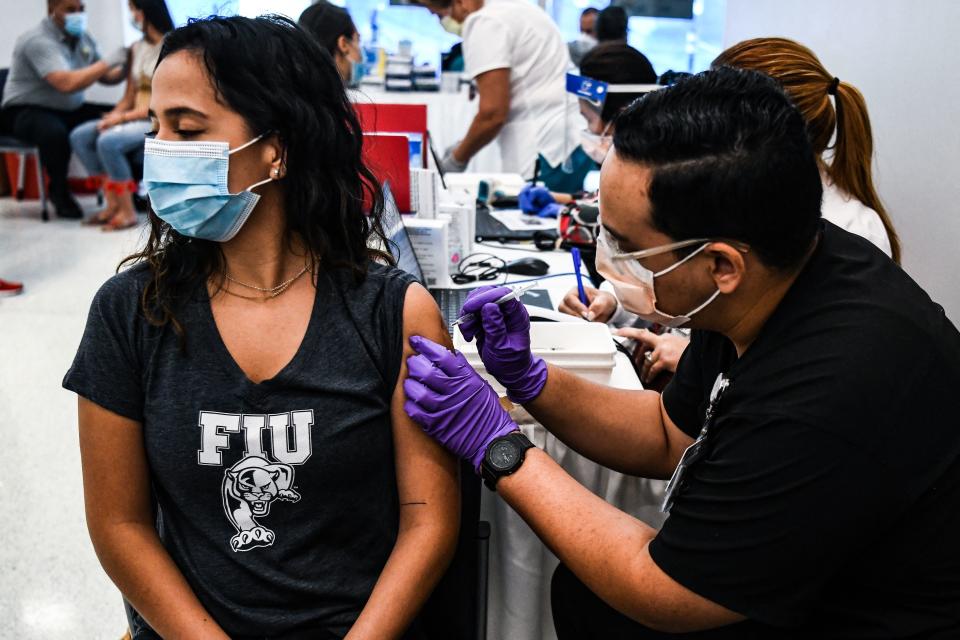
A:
517, 220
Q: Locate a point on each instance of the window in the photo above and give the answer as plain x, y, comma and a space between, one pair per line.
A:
669, 43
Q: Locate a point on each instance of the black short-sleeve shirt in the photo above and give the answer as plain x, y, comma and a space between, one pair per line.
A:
828, 503
277, 500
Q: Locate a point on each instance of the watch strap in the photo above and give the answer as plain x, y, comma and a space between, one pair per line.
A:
491, 475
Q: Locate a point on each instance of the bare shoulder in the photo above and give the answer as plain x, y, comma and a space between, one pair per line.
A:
421, 317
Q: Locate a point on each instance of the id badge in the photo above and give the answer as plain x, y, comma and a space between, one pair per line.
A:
699, 447
693, 453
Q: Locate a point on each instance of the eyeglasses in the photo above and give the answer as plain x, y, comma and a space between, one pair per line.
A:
619, 254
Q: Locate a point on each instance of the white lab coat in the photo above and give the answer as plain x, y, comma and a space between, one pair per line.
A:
543, 118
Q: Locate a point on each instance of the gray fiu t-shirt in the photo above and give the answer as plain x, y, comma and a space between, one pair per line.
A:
277, 500
39, 52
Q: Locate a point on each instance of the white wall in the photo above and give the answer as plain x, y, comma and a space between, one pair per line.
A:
105, 22
905, 59
16, 22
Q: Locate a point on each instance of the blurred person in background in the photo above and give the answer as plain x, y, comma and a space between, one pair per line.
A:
52, 65
102, 145
588, 37
333, 28
515, 54
612, 25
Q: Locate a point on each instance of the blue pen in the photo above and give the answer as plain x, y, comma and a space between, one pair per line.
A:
576, 269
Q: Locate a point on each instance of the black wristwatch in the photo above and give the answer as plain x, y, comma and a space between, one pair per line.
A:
504, 456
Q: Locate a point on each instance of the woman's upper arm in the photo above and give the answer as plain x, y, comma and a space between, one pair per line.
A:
426, 473
116, 478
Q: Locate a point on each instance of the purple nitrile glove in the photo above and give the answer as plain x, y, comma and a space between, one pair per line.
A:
502, 333
453, 404
552, 210
532, 199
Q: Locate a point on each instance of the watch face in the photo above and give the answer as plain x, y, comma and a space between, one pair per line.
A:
503, 455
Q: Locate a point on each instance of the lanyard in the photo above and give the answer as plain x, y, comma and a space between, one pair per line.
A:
699, 447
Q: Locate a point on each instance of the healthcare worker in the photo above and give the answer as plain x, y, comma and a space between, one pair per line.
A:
850, 200
611, 76
516, 56
810, 428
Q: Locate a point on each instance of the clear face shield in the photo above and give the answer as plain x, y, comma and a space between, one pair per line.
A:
592, 94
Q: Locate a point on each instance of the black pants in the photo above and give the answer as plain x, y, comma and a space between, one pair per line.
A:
578, 614
49, 129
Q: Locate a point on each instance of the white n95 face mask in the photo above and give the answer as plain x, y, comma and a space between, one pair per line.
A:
596, 146
451, 26
633, 283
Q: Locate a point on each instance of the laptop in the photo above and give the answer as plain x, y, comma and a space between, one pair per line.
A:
401, 248
489, 229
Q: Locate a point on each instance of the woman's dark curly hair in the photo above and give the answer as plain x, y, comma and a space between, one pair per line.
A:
283, 83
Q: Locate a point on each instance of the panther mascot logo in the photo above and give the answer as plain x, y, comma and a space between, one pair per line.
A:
249, 488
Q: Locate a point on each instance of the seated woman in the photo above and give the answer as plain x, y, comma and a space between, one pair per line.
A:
102, 145
850, 200
333, 28
248, 467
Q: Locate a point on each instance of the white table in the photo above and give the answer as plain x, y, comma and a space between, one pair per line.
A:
520, 565
448, 117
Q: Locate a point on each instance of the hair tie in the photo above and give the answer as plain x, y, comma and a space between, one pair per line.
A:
832, 89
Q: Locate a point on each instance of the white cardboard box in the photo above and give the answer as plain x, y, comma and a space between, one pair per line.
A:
583, 348
430, 242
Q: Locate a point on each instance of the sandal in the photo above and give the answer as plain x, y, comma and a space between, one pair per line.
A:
101, 217
116, 224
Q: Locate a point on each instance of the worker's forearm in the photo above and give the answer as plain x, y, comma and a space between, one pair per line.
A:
78, 79
482, 131
136, 561
113, 76
620, 429
599, 543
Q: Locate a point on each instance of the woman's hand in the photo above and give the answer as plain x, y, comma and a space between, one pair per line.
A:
659, 352
110, 120
602, 305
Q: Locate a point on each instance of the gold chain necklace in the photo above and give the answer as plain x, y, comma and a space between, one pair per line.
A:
269, 292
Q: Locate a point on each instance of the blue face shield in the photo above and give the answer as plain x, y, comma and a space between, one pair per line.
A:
593, 93
75, 23
187, 185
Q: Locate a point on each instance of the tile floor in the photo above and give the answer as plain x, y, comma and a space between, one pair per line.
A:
51, 585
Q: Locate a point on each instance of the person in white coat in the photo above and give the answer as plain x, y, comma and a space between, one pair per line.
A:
834, 111
518, 60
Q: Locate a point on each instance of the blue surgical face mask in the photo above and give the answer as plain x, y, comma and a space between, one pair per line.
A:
187, 185
75, 23
357, 71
